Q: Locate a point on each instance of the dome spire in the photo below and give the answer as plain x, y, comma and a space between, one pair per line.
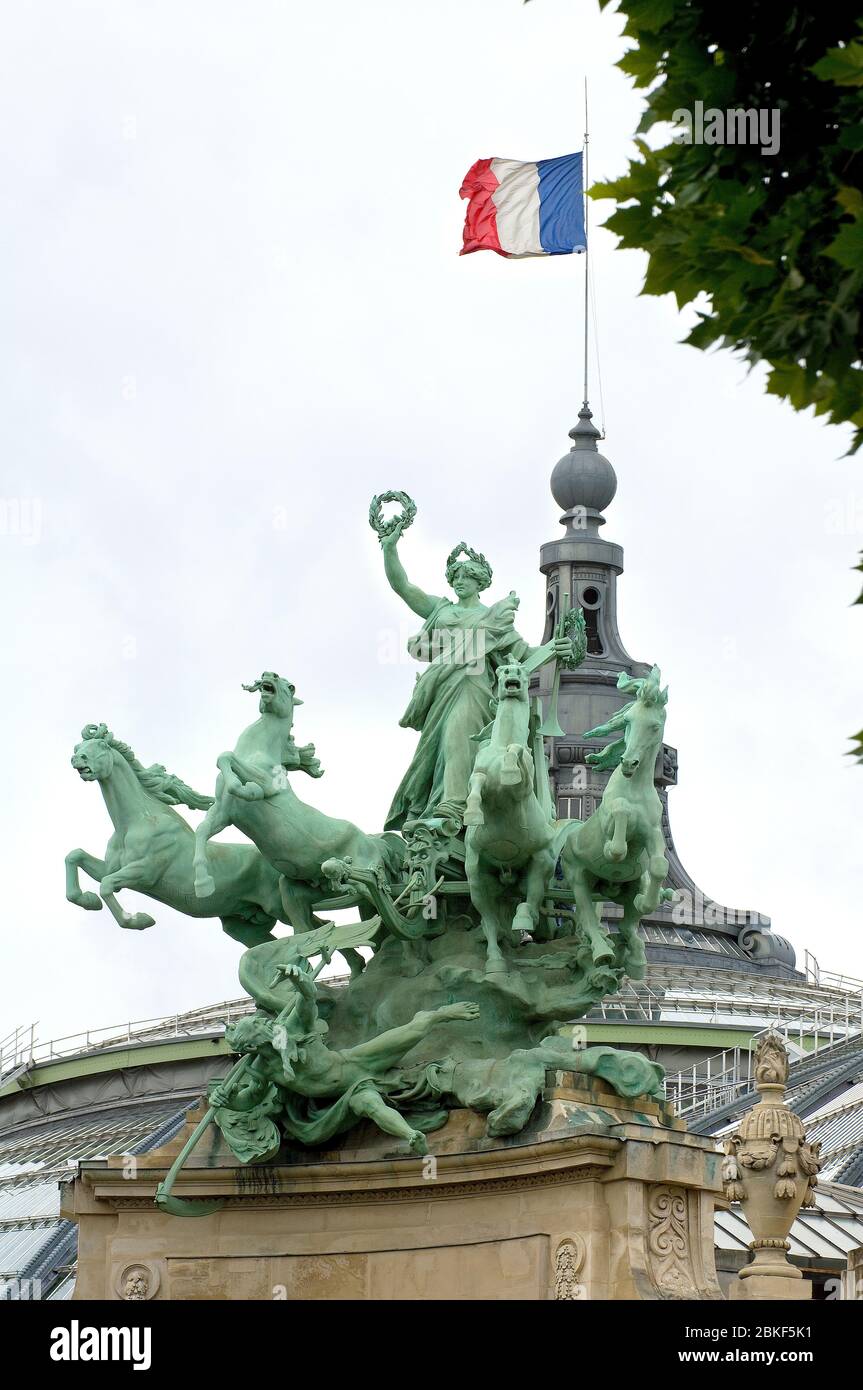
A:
583, 482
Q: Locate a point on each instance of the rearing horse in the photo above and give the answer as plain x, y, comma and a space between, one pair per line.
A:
510, 834
254, 794
618, 853
152, 848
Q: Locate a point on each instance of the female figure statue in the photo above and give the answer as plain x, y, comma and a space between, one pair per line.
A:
463, 643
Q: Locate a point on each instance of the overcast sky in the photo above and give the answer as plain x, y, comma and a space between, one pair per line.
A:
233, 310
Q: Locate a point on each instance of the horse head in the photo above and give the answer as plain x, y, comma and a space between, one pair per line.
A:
93, 758
277, 695
99, 755
642, 723
512, 681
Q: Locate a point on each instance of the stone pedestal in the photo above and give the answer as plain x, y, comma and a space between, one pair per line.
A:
772, 1170
598, 1198
771, 1286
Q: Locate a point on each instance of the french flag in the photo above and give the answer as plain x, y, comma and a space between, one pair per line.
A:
518, 209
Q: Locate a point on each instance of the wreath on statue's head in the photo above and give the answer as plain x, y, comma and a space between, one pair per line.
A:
474, 558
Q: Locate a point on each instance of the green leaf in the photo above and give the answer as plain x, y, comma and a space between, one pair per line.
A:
642, 63
844, 66
788, 380
663, 269
748, 253
650, 15
705, 333
852, 137
847, 248
851, 199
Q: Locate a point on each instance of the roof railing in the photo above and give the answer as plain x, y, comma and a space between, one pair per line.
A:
717, 1080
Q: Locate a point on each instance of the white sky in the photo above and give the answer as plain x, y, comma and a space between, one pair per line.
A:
232, 311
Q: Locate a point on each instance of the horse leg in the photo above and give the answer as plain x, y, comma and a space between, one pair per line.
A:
473, 812
527, 768
355, 960
600, 942
230, 780
98, 870
297, 899
136, 874
650, 896
255, 784
616, 847
79, 859
135, 921
587, 912
246, 932
510, 766
485, 894
658, 864
536, 880
216, 819
634, 955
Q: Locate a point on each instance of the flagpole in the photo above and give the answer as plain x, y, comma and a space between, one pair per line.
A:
586, 239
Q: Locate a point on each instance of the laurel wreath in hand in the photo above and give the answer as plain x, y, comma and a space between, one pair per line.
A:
575, 627
402, 519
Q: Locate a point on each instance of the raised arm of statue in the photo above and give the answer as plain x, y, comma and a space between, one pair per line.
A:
415, 597
305, 1011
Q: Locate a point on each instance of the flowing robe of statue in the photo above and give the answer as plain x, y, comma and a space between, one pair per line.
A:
451, 702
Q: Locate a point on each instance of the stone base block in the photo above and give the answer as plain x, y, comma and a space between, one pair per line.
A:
598, 1198
769, 1286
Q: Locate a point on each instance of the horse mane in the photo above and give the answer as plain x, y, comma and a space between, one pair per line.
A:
607, 758
645, 688
163, 785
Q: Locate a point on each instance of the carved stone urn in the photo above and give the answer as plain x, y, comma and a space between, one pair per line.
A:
771, 1169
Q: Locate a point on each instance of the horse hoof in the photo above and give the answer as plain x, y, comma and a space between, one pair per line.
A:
495, 965
205, 886
139, 922
91, 902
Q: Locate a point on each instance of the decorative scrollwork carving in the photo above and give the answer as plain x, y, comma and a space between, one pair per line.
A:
668, 1243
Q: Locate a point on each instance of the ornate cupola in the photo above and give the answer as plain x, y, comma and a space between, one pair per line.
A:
581, 569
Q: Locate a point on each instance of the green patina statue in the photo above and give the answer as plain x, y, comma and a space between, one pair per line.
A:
619, 852
301, 1088
509, 844
254, 794
482, 919
463, 643
318, 1091
152, 848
